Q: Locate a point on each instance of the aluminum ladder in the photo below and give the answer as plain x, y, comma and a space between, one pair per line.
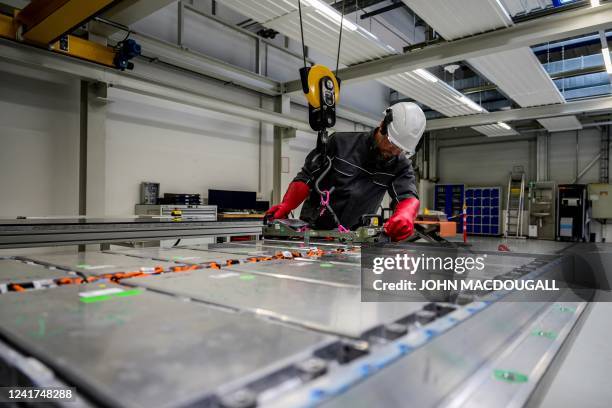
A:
515, 202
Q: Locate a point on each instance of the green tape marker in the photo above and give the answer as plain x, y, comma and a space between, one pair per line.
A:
327, 265
102, 298
542, 333
510, 376
565, 309
247, 277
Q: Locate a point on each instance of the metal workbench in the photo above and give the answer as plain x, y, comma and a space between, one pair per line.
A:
99, 263
19, 233
181, 255
330, 309
23, 273
147, 349
289, 332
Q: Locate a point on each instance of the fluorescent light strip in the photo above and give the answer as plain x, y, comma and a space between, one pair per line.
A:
594, 3
426, 75
470, 103
504, 125
329, 12
606, 56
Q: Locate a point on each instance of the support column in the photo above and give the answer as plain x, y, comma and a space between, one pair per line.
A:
92, 151
433, 156
542, 157
282, 105
180, 25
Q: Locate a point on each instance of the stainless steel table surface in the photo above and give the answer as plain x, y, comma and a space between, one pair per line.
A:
180, 255
16, 271
306, 270
100, 263
148, 349
336, 310
247, 249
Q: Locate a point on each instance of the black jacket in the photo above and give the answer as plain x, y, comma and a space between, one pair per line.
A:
360, 177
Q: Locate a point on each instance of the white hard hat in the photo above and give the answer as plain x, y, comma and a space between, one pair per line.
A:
405, 125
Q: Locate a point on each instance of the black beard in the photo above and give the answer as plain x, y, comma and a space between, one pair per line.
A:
385, 160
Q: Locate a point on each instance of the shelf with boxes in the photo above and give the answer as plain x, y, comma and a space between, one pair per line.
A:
449, 198
483, 210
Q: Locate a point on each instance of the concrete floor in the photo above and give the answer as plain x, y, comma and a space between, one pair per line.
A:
527, 246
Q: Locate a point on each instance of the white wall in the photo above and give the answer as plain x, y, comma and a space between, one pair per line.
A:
484, 164
184, 149
562, 155
39, 143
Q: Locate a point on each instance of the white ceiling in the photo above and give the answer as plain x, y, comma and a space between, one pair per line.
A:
517, 73
358, 44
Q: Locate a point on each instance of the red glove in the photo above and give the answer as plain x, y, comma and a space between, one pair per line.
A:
295, 195
401, 224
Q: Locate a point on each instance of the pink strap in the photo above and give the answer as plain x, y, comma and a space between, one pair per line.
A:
324, 201
342, 229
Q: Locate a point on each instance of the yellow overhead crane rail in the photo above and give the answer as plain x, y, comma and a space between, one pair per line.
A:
46, 23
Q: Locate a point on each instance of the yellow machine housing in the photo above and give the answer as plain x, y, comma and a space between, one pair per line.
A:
322, 91
315, 74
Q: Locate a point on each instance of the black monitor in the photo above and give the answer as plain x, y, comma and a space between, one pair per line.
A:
232, 200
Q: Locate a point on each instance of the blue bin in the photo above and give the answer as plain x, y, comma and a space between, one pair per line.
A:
486, 202
486, 220
494, 230
477, 210
485, 211
469, 202
486, 229
476, 229
495, 202
477, 202
477, 193
469, 193
470, 228
495, 193
486, 193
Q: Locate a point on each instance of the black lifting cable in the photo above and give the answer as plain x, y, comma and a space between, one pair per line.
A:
340, 36
302, 32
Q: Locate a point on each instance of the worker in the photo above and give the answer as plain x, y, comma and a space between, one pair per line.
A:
364, 166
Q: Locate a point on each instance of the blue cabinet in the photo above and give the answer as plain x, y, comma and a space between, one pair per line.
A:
484, 204
449, 198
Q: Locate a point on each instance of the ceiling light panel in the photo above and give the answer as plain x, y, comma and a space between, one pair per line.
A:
519, 74
495, 130
439, 96
515, 7
321, 27
461, 18
561, 124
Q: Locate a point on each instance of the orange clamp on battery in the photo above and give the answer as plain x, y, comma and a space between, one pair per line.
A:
64, 281
17, 288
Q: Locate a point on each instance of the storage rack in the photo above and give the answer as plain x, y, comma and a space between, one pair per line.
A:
483, 210
449, 198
